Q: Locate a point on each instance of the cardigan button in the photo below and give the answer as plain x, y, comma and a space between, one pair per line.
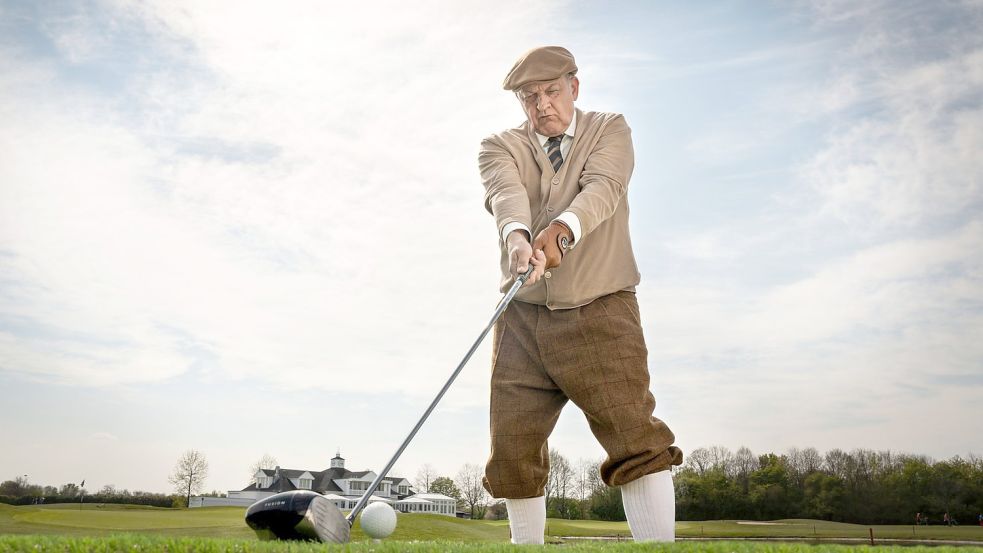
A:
550, 209
556, 180
548, 274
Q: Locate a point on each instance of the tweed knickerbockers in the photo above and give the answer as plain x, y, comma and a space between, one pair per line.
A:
594, 355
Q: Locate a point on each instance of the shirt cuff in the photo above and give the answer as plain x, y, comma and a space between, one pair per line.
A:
507, 229
570, 219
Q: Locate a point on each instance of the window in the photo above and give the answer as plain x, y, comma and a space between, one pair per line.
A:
306, 483
356, 485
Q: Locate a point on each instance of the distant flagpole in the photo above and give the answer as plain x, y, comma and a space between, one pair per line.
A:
81, 493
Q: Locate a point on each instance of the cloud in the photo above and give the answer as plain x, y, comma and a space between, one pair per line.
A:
908, 157
282, 194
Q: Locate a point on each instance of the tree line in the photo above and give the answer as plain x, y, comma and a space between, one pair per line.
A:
19, 492
188, 478
860, 486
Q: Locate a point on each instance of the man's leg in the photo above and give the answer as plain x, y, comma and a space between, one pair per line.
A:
527, 519
607, 377
650, 506
525, 404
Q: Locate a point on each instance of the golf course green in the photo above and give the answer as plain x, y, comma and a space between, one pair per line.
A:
96, 527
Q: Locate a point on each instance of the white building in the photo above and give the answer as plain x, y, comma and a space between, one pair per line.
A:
340, 485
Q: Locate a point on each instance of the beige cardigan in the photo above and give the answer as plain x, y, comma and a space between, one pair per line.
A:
520, 185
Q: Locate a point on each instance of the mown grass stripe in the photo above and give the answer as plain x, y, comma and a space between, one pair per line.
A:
154, 544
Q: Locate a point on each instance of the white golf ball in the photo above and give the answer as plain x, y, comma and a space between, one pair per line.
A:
378, 520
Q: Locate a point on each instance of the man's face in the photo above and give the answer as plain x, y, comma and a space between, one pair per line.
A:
549, 106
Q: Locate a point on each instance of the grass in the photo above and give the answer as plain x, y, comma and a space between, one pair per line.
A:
143, 544
65, 528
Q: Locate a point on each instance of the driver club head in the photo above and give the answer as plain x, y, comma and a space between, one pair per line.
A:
298, 515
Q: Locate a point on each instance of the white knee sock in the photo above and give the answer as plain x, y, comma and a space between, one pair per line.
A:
527, 519
650, 505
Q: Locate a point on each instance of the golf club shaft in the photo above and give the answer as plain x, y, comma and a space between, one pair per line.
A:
382, 474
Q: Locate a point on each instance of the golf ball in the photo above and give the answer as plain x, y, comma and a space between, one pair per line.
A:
378, 520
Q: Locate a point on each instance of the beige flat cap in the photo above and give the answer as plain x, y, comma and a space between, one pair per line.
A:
540, 64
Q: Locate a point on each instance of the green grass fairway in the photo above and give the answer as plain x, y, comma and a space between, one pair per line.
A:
151, 544
213, 522
95, 523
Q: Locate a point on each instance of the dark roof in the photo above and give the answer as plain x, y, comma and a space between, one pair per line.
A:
293, 473
282, 485
323, 480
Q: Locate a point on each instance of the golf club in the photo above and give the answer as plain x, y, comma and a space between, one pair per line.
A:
307, 515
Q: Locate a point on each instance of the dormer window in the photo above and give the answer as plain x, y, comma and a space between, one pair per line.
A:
306, 483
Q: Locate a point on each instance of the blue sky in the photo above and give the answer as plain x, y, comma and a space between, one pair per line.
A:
259, 229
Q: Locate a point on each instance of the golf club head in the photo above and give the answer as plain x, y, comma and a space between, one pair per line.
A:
298, 515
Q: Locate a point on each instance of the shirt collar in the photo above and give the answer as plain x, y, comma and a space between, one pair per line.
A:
571, 131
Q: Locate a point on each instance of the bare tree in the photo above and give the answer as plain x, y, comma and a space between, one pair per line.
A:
267, 461
720, 457
425, 477
837, 463
189, 474
473, 493
699, 460
587, 479
559, 484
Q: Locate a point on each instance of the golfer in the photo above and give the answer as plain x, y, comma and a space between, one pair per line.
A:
556, 186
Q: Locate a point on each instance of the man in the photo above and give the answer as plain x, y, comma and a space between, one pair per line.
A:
556, 186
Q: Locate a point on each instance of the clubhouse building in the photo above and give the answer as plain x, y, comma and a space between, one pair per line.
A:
338, 484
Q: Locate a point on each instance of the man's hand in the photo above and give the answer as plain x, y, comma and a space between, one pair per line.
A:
548, 240
521, 255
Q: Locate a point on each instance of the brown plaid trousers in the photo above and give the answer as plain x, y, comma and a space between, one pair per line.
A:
593, 355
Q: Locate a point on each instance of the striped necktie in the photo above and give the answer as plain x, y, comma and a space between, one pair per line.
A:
553, 152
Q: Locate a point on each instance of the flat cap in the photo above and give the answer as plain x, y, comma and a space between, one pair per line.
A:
540, 64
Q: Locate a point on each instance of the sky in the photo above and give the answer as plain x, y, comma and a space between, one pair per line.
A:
256, 228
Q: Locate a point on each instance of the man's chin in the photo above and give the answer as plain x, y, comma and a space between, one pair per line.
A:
549, 130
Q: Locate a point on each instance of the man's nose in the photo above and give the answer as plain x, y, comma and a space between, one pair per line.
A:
544, 102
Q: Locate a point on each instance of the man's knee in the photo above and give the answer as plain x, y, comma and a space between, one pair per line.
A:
516, 472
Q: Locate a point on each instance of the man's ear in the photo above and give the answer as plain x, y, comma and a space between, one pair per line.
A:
575, 86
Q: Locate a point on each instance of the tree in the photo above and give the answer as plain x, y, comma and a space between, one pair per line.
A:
698, 460
14, 488
189, 474
720, 457
587, 479
424, 477
497, 511
559, 485
446, 486
606, 504
472, 491
267, 461
745, 463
